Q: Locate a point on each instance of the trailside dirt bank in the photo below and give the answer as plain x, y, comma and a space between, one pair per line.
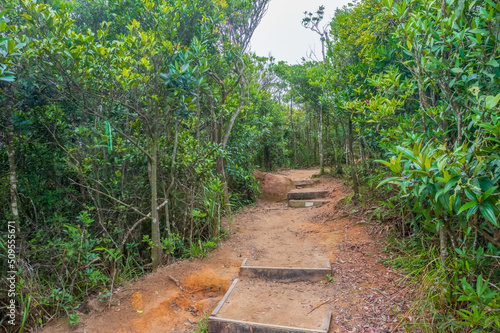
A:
362, 294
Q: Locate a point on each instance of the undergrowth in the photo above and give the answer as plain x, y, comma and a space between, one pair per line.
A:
452, 296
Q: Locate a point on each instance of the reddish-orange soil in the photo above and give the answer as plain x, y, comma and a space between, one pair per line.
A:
362, 296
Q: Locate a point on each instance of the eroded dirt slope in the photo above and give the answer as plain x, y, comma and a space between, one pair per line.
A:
362, 296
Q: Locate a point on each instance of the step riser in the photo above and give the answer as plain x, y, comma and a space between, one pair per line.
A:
286, 274
305, 183
219, 325
307, 195
305, 203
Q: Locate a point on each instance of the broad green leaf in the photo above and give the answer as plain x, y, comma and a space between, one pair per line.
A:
491, 101
388, 180
479, 285
488, 211
8, 78
384, 163
493, 63
11, 46
488, 193
471, 195
472, 211
451, 183
466, 206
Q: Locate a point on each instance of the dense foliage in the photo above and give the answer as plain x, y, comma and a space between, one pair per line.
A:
130, 127
412, 88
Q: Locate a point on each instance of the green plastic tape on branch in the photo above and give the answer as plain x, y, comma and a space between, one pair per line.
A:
108, 135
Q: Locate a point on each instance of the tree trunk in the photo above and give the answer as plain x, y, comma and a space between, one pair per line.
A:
363, 157
220, 160
293, 134
13, 178
354, 174
156, 249
306, 134
320, 141
294, 138
326, 143
222, 172
459, 128
338, 159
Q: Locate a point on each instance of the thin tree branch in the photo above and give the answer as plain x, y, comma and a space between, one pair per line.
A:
137, 223
111, 197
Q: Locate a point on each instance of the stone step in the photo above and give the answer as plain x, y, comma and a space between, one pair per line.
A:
305, 182
288, 274
237, 313
306, 203
303, 195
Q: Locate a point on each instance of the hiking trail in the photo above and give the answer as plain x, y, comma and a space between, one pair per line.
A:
303, 259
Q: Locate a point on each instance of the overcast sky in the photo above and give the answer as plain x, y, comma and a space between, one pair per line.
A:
281, 32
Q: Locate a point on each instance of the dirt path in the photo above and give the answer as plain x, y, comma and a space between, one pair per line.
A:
362, 295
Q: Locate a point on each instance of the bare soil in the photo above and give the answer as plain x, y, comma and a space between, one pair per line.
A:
363, 295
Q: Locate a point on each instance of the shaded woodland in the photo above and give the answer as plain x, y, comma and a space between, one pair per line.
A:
130, 128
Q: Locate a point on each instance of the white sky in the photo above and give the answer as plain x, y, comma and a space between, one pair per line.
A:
281, 32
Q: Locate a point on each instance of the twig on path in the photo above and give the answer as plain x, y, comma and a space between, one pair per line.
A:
177, 282
383, 294
317, 306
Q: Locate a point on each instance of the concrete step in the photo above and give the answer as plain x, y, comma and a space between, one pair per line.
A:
306, 203
288, 274
305, 182
259, 306
303, 195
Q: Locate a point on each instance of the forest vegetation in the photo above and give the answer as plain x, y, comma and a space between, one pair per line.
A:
130, 128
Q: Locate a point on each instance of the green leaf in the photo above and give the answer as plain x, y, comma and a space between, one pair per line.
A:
457, 70
493, 63
384, 163
478, 31
472, 211
388, 180
388, 204
451, 183
479, 285
488, 193
488, 211
466, 206
491, 101
470, 194
11, 46
418, 171
8, 78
